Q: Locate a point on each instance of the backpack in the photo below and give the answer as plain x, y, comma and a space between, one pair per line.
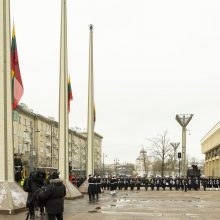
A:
27, 184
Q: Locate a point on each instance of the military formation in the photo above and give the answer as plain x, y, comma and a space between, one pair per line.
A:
211, 183
97, 184
156, 183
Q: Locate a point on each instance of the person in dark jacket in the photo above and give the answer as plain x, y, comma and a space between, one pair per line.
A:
53, 197
91, 191
32, 187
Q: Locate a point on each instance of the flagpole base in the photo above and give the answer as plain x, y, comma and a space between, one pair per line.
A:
72, 192
12, 198
84, 187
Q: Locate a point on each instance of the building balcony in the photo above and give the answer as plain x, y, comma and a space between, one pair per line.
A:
26, 140
48, 155
48, 144
47, 133
34, 152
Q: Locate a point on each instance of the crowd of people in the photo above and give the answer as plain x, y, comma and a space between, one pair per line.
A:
48, 193
96, 184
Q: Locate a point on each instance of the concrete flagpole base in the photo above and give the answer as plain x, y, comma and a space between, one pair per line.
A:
84, 187
12, 198
72, 192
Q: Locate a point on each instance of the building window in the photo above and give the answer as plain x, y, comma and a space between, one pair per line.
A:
25, 148
20, 150
19, 120
19, 132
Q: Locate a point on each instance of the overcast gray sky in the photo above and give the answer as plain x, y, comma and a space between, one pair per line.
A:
152, 60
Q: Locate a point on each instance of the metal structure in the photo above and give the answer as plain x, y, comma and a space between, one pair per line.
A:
175, 146
183, 120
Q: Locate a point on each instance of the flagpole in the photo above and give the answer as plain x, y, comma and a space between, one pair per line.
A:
71, 192
63, 117
90, 127
8, 188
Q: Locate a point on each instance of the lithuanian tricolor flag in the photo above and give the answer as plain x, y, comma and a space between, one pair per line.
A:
70, 94
17, 85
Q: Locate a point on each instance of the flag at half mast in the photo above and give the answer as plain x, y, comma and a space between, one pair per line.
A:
70, 94
17, 85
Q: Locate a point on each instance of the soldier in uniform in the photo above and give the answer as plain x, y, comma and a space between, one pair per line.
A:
152, 182
158, 183
146, 183
91, 192
138, 183
126, 183
18, 168
163, 183
170, 183
97, 186
204, 183
113, 185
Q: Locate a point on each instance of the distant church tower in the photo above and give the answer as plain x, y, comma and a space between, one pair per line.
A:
142, 164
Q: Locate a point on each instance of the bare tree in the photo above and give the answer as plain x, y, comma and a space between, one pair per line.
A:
193, 161
161, 150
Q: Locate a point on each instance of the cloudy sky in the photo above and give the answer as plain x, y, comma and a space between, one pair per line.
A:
152, 60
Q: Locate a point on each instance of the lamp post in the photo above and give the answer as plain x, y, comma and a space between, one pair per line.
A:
26, 131
103, 164
32, 141
175, 146
179, 157
116, 160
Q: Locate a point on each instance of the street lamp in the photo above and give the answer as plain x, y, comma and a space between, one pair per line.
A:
175, 146
179, 157
116, 160
103, 165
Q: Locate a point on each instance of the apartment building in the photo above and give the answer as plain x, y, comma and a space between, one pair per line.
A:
36, 140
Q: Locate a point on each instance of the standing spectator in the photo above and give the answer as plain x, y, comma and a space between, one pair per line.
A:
53, 197
31, 185
18, 168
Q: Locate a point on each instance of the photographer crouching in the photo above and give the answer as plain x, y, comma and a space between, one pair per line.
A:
53, 197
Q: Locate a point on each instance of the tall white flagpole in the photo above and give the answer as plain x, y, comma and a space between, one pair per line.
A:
90, 126
71, 192
63, 99
12, 196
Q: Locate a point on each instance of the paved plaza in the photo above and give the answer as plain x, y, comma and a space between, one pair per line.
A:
142, 205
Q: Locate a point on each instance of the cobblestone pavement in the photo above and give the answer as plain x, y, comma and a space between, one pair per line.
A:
142, 205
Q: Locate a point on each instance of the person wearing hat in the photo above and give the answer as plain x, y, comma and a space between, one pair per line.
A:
53, 197
18, 167
91, 191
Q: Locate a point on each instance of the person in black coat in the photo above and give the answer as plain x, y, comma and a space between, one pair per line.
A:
18, 167
53, 197
91, 188
32, 187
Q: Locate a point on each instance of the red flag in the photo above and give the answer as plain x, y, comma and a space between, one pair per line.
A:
17, 85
